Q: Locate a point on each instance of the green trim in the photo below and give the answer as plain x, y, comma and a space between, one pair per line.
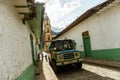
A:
28, 74
107, 54
104, 54
36, 24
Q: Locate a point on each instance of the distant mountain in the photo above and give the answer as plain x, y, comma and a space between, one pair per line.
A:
54, 33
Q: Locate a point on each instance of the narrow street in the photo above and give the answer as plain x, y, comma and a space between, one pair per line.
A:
88, 72
81, 36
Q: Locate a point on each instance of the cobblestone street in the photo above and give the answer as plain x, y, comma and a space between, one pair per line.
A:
88, 72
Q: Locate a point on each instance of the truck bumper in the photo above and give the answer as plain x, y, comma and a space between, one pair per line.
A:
68, 62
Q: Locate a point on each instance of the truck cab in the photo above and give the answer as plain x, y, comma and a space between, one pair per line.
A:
63, 52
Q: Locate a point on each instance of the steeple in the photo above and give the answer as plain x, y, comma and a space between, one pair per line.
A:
46, 16
47, 32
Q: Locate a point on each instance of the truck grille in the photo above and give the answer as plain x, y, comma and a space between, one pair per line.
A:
68, 56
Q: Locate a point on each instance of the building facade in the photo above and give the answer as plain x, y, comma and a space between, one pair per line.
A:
18, 42
47, 33
96, 32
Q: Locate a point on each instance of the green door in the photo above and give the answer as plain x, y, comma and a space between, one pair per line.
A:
87, 45
32, 49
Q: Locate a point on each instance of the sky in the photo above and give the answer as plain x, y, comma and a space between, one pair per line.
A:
63, 12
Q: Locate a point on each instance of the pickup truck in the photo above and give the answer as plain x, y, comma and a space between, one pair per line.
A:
63, 52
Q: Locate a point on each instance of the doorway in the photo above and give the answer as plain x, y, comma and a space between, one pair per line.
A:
86, 43
32, 48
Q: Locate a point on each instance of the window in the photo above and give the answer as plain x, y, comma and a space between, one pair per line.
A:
48, 37
47, 23
48, 29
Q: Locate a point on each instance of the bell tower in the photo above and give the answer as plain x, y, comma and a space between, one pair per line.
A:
47, 32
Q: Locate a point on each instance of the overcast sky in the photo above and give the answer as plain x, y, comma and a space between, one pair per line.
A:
64, 12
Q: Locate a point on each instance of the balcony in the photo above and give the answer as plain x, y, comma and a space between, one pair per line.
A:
26, 8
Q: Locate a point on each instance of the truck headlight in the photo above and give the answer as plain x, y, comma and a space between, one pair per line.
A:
77, 55
60, 57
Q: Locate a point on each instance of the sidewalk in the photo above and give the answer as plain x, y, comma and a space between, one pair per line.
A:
113, 64
44, 71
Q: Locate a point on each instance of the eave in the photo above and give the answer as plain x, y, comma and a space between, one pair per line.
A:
95, 10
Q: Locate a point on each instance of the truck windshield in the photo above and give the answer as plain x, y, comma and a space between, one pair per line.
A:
61, 45
58, 45
67, 44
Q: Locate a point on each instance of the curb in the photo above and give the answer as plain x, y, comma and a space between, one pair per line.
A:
107, 63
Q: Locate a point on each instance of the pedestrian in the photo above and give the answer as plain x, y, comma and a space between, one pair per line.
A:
39, 57
42, 56
46, 57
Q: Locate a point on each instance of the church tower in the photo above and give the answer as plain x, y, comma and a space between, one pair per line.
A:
47, 33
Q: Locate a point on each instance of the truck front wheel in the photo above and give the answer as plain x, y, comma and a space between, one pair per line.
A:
78, 65
55, 67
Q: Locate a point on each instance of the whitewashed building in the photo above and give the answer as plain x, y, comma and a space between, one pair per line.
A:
18, 42
97, 31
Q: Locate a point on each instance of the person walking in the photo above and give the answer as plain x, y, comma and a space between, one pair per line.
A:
46, 57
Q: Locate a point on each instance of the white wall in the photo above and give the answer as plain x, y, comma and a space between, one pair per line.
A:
15, 47
104, 30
